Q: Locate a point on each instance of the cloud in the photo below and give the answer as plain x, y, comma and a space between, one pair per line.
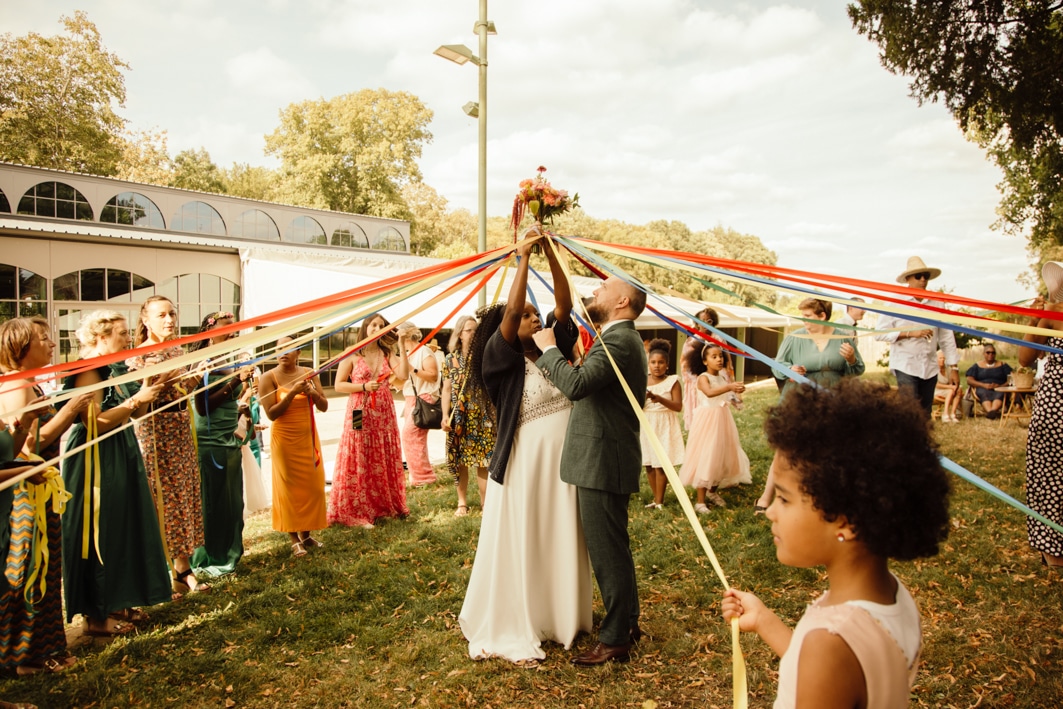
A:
260, 72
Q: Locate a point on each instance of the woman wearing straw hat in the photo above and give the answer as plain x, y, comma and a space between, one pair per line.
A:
914, 346
1044, 445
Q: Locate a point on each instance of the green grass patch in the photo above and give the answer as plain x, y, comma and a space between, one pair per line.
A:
370, 620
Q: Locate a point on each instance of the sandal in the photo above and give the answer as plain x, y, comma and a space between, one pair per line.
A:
461, 511
759, 509
702, 509
120, 627
51, 666
298, 550
181, 582
130, 615
309, 542
714, 498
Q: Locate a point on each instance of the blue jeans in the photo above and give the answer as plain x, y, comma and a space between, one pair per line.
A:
921, 389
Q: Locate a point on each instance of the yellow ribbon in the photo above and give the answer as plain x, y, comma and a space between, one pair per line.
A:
741, 698
92, 487
39, 494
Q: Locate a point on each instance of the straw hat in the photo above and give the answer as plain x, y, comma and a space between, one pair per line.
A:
1052, 273
916, 265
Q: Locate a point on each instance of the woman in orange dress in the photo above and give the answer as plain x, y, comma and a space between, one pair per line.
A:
289, 394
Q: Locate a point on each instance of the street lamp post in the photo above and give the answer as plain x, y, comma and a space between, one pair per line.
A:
461, 54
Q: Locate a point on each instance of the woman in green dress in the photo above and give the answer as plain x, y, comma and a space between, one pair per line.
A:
113, 559
821, 353
221, 476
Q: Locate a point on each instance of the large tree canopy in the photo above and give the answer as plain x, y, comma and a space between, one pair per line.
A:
998, 66
58, 97
351, 153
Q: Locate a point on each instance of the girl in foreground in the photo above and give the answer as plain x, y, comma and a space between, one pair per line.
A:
849, 508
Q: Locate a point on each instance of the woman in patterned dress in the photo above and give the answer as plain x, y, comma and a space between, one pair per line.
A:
470, 428
368, 482
31, 634
169, 450
1044, 445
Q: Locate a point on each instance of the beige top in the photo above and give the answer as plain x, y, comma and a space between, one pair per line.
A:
886, 640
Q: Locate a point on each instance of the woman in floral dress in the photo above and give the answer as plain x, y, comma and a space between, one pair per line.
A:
368, 482
470, 428
166, 442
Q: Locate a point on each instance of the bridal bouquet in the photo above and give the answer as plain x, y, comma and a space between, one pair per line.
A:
543, 200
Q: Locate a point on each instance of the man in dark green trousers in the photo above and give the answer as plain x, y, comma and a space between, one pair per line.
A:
602, 456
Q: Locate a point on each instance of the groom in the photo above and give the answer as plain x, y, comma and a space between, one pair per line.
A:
602, 456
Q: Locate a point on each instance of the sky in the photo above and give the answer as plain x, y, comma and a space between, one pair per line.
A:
772, 119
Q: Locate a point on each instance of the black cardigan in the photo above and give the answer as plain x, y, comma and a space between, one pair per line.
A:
503, 373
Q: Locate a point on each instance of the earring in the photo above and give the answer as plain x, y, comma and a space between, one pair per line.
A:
841, 537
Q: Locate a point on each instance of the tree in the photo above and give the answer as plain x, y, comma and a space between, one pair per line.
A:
998, 67
58, 97
352, 153
145, 158
194, 170
249, 181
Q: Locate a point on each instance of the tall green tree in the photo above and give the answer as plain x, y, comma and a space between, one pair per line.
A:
194, 170
58, 97
998, 66
351, 153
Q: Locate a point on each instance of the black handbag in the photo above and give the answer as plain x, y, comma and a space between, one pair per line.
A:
426, 415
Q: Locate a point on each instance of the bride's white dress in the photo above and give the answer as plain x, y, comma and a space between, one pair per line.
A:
531, 578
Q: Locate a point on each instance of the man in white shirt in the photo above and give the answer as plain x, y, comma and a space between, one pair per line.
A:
852, 316
913, 346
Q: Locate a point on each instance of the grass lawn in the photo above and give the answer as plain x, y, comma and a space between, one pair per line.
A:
370, 620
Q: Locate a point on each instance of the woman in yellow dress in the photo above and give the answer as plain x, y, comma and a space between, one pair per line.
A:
289, 394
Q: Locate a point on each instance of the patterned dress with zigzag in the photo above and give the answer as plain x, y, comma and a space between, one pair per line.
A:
29, 633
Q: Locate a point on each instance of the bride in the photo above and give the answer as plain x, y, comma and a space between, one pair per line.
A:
531, 579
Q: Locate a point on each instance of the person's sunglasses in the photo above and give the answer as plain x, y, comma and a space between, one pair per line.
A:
924, 276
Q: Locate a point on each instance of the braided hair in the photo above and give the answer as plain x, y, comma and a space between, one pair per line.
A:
490, 317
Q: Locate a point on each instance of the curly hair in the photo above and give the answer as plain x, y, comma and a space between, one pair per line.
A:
882, 472
95, 326
695, 358
490, 317
661, 345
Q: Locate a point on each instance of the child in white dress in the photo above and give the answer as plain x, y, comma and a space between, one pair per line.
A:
664, 400
851, 508
714, 457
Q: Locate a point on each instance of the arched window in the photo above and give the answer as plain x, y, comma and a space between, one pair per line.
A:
102, 285
389, 239
133, 209
305, 230
196, 295
199, 217
55, 199
5, 206
350, 235
256, 224
22, 293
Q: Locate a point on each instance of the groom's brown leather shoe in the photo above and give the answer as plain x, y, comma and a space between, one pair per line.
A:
602, 653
